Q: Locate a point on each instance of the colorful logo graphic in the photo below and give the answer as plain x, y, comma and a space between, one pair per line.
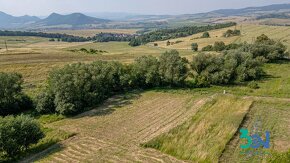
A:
254, 141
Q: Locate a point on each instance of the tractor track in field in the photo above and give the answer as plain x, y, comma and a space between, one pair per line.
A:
117, 136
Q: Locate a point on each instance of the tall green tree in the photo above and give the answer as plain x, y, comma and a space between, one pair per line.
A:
12, 99
145, 72
173, 68
18, 133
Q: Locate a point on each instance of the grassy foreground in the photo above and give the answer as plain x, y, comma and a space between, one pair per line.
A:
205, 136
265, 115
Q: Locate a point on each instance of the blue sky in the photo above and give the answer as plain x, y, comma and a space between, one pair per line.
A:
45, 7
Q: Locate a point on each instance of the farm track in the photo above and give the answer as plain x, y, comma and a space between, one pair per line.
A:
116, 136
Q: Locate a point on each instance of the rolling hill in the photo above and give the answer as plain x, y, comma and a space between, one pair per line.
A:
9, 21
54, 20
253, 10
74, 19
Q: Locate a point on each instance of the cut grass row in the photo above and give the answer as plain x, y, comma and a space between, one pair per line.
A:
204, 137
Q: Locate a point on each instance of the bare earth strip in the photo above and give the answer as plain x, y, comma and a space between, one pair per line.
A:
114, 131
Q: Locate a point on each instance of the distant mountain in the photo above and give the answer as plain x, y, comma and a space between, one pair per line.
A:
253, 10
75, 19
126, 20
9, 21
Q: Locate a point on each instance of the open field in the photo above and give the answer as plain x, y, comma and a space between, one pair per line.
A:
93, 32
114, 131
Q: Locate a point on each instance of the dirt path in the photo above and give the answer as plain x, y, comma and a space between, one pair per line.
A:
114, 131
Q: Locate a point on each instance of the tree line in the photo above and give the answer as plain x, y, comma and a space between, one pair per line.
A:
263, 46
106, 37
58, 36
135, 40
166, 34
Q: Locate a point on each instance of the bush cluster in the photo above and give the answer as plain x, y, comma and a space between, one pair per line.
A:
205, 35
73, 88
229, 67
18, 133
264, 47
12, 99
230, 33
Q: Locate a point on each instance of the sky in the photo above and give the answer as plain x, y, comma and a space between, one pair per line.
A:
45, 7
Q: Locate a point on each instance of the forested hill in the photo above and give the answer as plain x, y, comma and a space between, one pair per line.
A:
165, 34
74, 19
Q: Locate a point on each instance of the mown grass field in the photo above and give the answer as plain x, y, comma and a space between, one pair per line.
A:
114, 131
203, 138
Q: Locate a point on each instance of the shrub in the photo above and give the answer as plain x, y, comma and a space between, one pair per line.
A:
12, 99
178, 41
135, 42
207, 48
219, 46
231, 66
267, 48
145, 72
84, 50
194, 46
230, 33
173, 68
44, 102
18, 133
205, 35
